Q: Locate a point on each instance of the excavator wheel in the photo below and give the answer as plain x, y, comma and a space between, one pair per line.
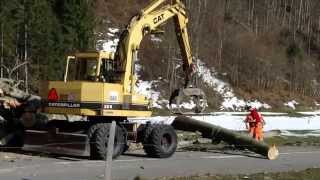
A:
10, 139
162, 142
92, 129
99, 141
216, 141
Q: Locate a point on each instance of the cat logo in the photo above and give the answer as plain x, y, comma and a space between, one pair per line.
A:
158, 19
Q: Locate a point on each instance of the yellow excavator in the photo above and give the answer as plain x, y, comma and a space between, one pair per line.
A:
99, 87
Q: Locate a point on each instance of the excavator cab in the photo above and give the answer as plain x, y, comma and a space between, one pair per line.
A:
91, 66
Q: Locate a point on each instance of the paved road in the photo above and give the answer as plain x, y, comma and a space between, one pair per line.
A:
181, 164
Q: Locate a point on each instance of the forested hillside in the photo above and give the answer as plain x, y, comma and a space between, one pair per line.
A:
266, 49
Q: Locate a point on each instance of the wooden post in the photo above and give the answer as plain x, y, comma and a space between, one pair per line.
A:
211, 131
108, 168
2, 51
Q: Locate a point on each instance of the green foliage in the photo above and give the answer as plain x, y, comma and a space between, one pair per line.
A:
44, 30
294, 51
77, 21
44, 40
11, 15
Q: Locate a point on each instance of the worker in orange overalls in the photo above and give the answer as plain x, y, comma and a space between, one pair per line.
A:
254, 123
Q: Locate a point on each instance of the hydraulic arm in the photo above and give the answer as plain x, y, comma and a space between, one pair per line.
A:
147, 21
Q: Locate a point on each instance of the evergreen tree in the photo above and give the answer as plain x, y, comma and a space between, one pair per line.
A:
45, 41
44, 30
11, 17
77, 20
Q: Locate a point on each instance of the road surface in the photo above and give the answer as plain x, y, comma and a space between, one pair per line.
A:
132, 165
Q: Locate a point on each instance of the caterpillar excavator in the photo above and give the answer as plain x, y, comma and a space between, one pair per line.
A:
74, 116
99, 87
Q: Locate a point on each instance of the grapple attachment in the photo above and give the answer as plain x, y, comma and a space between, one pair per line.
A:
183, 101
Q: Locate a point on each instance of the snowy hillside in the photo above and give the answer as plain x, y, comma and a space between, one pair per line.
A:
230, 102
208, 76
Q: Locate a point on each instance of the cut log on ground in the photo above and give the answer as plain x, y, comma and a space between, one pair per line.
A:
215, 132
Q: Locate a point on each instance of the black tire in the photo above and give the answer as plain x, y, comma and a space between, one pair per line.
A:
11, 138
99, 142
216, 141
162, 142
92, 129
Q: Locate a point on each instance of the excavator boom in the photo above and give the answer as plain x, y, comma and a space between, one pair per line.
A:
147, 21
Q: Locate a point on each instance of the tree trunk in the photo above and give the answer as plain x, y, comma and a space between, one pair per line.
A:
211, 131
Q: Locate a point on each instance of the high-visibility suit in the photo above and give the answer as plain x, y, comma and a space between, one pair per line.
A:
254, 123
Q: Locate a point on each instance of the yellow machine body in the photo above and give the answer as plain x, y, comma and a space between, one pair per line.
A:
103, 83
92, 96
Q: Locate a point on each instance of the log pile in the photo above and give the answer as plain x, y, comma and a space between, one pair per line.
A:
16, 111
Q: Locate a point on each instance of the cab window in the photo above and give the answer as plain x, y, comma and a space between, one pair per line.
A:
82, 69
107, 71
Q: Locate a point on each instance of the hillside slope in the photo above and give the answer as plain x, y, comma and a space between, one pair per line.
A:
266, 51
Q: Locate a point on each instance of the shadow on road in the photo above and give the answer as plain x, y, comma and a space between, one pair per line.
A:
228, 150
135, 155
19, 151
225, 149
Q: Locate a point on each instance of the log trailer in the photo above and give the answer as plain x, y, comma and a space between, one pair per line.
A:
100, 87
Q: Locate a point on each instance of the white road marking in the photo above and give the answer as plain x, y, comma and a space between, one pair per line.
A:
135, 160
308, 152
222, 157
8, 170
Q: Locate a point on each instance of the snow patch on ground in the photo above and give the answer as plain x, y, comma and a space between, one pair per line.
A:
230, 101
145, 88
110, 45
291, 104
113, 30
315, 133
310, 113
185, 105
110, 42
236, 123
156, 39
245, 113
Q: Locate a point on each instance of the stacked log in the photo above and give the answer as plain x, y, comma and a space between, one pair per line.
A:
16, 112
